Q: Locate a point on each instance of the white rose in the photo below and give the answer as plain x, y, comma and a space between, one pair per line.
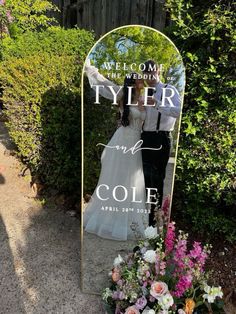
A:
166, 301
148, 311
150, 256
150, 232
180, 311
118, 260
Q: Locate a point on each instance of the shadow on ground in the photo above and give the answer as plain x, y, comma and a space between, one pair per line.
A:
10, 289
39, 251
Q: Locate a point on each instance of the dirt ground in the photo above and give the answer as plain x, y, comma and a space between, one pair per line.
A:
39, 249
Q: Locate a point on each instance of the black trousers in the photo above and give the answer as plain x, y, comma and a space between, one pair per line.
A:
154, 164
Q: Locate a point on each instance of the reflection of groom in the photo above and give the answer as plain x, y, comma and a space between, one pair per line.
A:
161, 114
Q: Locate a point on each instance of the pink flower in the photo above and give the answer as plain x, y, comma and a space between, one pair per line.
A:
190, 264
162, 268
198, 254
166, 207
132, 310
158, 288
182, 285
196, 251
180, 253
170, 237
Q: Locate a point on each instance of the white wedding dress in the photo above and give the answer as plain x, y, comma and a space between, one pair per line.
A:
110, 218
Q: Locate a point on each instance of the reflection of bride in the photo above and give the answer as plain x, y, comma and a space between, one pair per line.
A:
117, 207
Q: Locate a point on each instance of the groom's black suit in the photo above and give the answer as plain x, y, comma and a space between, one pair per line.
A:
157, 133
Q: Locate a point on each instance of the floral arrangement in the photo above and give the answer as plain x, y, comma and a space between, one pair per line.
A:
162, 275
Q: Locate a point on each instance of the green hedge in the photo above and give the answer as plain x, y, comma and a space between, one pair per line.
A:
40, 77
55, 41
205, 34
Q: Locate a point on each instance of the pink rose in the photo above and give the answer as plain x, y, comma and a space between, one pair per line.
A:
158, 289
132, 310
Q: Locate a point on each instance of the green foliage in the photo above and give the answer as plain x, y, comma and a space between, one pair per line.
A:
136, 45
211, 223
41, 92
60, 156
204, 31
54, 41
30, 15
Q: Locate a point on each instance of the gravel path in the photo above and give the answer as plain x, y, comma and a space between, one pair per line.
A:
39, 249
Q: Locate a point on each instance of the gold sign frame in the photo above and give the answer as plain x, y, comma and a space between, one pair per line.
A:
82, 139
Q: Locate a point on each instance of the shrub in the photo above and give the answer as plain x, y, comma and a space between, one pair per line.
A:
204, 33
40, 76
29, 15
54, 41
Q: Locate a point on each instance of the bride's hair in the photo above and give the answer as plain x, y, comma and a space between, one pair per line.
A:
129, 81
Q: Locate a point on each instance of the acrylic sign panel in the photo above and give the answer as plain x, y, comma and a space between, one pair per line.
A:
132, 95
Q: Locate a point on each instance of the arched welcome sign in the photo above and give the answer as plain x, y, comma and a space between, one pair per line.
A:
132, 95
